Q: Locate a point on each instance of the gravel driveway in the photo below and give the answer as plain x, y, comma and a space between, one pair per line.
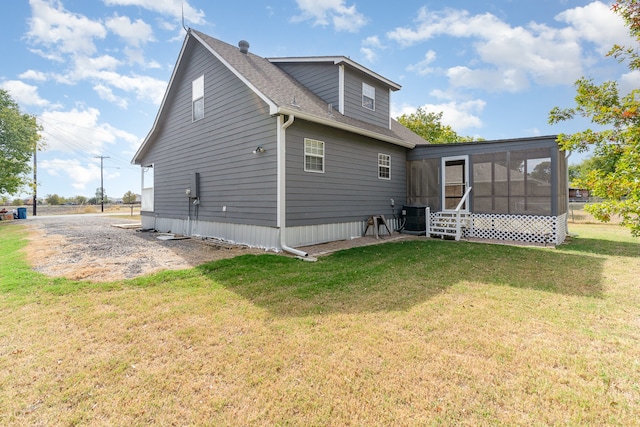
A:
92, 247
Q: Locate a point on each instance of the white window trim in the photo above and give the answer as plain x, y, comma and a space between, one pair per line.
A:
147, 202
313, 155
197, 94
369, 92
383, 165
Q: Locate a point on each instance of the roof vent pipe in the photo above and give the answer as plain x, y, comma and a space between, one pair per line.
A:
244, 46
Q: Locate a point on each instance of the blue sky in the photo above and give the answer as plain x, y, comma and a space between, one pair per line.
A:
94, 71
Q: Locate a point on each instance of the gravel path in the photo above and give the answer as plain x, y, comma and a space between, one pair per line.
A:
91, 247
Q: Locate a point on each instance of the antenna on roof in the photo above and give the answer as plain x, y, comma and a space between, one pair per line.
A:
184, 26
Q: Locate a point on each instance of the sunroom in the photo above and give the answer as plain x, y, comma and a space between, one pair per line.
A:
511, 190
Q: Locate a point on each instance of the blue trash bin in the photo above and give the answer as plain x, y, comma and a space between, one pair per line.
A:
22, 213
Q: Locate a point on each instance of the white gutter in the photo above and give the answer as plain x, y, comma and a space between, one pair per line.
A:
282, 196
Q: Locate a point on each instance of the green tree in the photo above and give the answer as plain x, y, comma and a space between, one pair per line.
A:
101, 196
616, 175
54, 199
19, 136
129, 198
79, 200
542, 172
579, 174
429, 126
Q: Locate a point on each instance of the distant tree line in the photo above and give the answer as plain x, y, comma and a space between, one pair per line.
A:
55, 200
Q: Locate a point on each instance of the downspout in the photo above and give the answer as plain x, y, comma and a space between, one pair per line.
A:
282, 207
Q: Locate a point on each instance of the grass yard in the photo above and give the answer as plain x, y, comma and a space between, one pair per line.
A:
422, 332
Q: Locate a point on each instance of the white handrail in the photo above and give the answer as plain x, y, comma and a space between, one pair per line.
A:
464, 199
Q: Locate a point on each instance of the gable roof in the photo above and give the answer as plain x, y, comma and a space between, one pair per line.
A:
337, 60
283, 94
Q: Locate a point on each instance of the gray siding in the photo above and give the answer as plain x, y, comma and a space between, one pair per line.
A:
321, 78
353, 99
349, 189
218, 147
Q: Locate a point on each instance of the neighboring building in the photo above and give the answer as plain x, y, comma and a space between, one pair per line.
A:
578, 195
285, 152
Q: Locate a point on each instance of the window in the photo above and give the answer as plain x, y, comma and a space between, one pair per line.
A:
368, 96
384, 166
197, 98
313, 155
147, 188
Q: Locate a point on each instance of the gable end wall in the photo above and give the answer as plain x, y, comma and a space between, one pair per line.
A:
236, 186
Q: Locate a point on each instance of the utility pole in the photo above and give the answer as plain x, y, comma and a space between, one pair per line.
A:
102, 181
35, 177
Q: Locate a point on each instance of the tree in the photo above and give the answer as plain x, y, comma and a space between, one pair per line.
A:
542, 172
19, 136
616, 176
129, 198
54, 199
428, 125
578, 174
101, 196
79, 200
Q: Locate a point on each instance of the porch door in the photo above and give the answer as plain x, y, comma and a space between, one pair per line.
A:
455, 178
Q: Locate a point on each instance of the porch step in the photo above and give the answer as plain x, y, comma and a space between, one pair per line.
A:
444, 224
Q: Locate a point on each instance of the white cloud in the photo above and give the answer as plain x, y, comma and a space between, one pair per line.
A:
136, 56
335, 12
69, 33
33, 75
172, 8
459, 115
102, 71
23, 93
134, 33
610, 26
511, 58
424, 67
78, 174
369, 48
508, 79
629, 82
80, 132
107, 94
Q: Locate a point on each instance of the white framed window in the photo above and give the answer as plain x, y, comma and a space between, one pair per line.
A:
313, 155
384, 166
147, 188
197, 98
368, 96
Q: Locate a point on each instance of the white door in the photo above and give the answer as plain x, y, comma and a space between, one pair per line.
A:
455, 178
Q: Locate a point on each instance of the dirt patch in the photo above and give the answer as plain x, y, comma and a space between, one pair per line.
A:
92, 247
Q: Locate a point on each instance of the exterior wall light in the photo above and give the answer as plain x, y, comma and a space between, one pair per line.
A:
259, 149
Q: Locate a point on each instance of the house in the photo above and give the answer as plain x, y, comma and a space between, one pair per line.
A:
580, 195
281, 153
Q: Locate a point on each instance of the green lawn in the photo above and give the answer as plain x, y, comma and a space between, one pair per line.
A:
422, 332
